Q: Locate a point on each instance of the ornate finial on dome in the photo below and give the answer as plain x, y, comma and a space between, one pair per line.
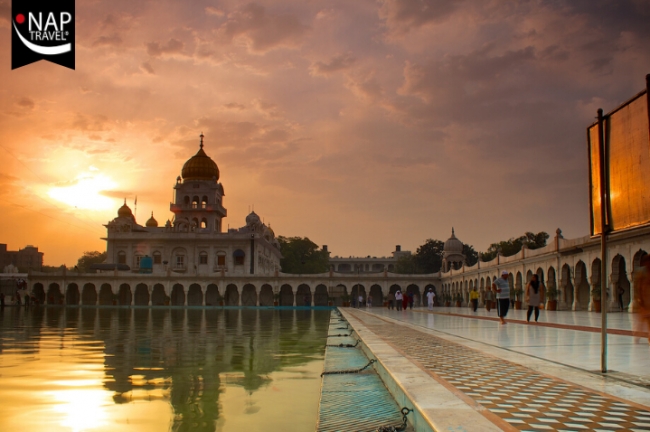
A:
152, 222
452, 230
201, 145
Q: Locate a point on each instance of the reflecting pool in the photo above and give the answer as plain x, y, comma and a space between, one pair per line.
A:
107, 369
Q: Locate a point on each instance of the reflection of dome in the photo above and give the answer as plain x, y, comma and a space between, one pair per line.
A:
125, 211
453, 245
200, 167
152, 222
252, 218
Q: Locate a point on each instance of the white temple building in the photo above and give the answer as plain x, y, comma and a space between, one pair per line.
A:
192, 242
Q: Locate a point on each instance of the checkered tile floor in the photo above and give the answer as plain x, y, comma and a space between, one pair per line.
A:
527, 400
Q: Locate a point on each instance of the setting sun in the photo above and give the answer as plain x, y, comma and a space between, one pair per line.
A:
85, 192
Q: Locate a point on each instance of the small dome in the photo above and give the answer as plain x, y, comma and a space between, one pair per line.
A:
152, 223
252, 218
200, 167
125, 211
453, 245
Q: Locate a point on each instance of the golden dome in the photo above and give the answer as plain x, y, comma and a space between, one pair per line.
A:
152, 223
200, 167
124, 211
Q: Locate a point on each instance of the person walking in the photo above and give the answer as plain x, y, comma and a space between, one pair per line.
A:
430, 298
501, 287
405, 301
489, 299
360, 301
619, 292
410, 300
369, 301
642, 295
398, 300
534, 297
473, 297
391, 300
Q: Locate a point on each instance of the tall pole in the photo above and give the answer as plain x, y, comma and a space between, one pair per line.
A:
603, 241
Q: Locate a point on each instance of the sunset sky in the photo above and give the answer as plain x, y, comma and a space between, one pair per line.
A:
360, 124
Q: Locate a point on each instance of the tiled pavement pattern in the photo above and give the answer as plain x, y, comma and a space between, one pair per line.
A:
527, 400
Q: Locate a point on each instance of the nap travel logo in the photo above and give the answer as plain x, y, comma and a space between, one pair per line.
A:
42, 30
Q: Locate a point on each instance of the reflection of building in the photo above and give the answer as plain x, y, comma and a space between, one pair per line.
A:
452, 255
193, 241
25, 259
368, 264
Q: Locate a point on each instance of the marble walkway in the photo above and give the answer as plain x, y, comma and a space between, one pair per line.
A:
523, 376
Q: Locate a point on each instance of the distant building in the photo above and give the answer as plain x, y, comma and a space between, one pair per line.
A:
25, 259
367, 264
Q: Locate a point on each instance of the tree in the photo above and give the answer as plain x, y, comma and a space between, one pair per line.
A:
302, 256
514, 245
471, 256
89, 258
406, 264
429, 256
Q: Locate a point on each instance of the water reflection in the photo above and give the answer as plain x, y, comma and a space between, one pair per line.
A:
159, 369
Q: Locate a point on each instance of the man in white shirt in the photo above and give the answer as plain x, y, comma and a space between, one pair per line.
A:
430, 297
398, 299
502, 287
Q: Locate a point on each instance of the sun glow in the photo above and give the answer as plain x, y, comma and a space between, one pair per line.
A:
85, 192
82, 409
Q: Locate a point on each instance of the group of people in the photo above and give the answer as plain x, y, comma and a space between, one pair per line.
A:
400, 301
534, 296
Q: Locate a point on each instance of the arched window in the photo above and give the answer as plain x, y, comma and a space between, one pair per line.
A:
239, 256
203, 257
137, 260
204, 223
121, 257
195, 202
221, 259
157, 257
204, 202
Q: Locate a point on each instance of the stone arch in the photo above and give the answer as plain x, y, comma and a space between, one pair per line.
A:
567, 286
394, 288
356, 290
529, 276
105, 295
178, 295
377, 295
417, 295
518, 282
232, 295
54, 295
321, 296
636, 260
72, 294
212, 295
619, 280
266, 295
511, 284
338, 292
248, 295
38, 292
540, 276
124, 295
89, 295
158, 296
303, 295
286, 295
583, 294
141, 295
195, 295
